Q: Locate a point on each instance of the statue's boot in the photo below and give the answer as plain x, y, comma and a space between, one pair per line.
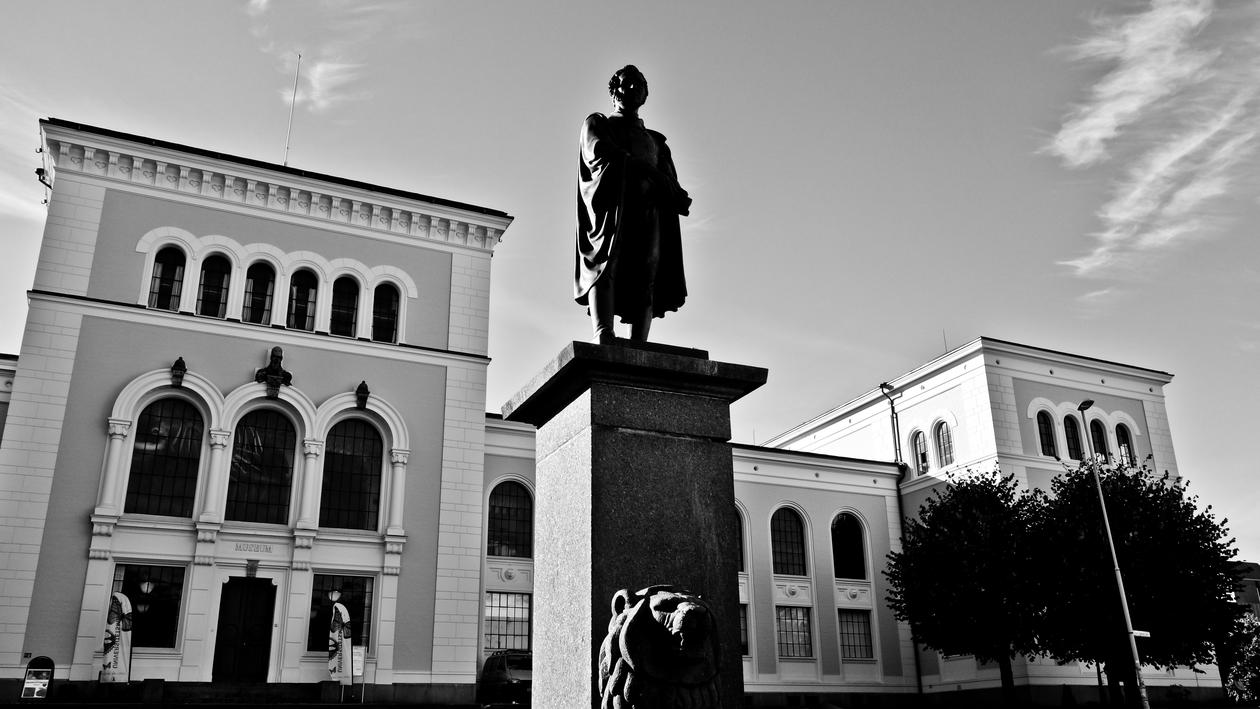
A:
600, 298
641, 326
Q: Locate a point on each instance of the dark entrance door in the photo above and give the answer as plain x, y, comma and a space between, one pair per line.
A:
242, 652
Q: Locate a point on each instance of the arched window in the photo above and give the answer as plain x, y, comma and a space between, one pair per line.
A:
351, 490
168, 279
164, 459
918, 448
787, 542
345, 307
510, 531
1073, 433
212, 293
739, 521
1098, 434
303, 287
944, 444
261, 477
385, 313
1045, 432
848, 551
1125, 441
260, 285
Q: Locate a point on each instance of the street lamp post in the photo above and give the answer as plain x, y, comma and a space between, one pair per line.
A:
1111, 546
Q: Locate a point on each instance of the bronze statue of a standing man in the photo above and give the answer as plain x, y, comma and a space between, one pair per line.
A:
629, 249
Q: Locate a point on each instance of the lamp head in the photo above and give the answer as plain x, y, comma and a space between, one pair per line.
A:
1085, 405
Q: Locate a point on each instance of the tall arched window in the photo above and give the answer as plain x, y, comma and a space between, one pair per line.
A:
1125, 441
168, 279
261, 477
739, 520
260, 285
1072, 432
787, 542
345, 307
918, 449
385, 313
510, 531
351, 490
164, 459
1045, 432
1098, 434
944, 444
848, 549
303, 287
212, 292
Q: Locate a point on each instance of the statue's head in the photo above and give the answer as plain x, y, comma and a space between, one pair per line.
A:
628, 88
277, 355
662, 649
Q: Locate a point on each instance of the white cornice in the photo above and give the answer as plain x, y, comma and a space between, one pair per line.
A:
220, 181
258, 333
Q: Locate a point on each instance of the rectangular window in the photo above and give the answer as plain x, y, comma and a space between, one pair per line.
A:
855, 635
508, 620
793, 631
353, 592
155, 593
743, 629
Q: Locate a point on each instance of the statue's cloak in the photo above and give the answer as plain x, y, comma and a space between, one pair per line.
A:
601, 209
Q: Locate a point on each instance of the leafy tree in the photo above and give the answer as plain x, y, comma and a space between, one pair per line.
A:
1175, 560
1243, 682
962, 579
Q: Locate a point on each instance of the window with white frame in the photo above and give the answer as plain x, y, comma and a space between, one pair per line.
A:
303, 289
385, 313
1045, 434
350, 495
1098, 434
787, 542
918, 449
168, 278
855, 634
793, 634
944, 444
508, 620
260, 286
510, 528
261, 477
345, 307
1072, 432
165, 458
353, 592
1124, 441
848, 550
212, 290
155, 593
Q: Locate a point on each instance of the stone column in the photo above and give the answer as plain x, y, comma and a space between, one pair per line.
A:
215, 473
308, 516
635, 487
397, 488
111, 498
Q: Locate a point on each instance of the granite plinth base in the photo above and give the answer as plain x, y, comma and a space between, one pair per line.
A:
635, 487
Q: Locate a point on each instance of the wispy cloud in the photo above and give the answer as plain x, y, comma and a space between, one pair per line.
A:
1178, 113
332, 65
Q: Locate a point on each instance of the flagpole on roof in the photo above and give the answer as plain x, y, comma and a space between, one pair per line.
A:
289, 131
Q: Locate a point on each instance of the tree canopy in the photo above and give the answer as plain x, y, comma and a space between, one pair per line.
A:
1174, 557
963, 578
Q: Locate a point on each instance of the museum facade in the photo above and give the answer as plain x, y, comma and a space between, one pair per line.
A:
247, 393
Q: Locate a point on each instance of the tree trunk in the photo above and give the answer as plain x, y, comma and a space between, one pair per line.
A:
1009, 698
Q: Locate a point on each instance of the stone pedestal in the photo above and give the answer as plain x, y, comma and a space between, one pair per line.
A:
635, 487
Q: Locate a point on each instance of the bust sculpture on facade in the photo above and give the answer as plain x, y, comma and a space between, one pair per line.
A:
629, 249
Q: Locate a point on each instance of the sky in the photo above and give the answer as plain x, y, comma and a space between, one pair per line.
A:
874, 183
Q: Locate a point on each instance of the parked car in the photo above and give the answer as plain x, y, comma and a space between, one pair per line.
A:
506, 678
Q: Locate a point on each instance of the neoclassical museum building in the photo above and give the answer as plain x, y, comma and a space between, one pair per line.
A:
246, 391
